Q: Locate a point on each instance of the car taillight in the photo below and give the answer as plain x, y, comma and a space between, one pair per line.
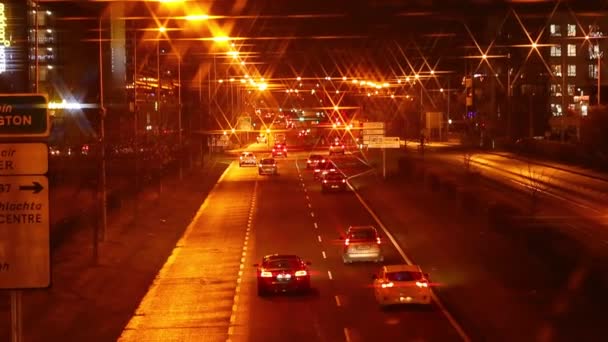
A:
325, 181
422, 284
346, 242
241, 157
284, 150
301, 273
343, 180
322, 160
308, 161
273, 150
266, 274
342, 146
378, 240
274, 165
386, 285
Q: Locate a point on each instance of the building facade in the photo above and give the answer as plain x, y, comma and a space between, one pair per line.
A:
574, 52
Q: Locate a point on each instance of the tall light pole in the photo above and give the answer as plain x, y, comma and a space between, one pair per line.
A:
161, 29
179, 114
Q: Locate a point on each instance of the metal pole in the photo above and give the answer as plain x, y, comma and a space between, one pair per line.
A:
102, 180
158, 99
36, 68
16, 317
599, 76
383, 163
179, 114
135, 126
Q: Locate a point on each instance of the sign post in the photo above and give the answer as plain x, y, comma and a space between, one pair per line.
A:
24, 200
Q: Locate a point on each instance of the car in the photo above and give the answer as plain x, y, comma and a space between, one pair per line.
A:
247, 158
279, 150
313, 160
282, 273
402, 284
333, 181
322, 168
268, 166
362, 243
337, 147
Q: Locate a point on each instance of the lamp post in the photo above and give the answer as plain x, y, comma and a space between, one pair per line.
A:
161, 29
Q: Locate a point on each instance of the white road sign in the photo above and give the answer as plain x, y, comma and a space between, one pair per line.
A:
24, 232
373, 132
24, 159
390, 142
373, 125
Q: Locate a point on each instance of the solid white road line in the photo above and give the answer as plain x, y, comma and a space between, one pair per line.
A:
338, 301
457, 327
347, 334
324, 255
329, 275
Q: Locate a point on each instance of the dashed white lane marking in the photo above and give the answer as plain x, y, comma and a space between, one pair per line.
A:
304, 189
347, 334
459, 330
239, 278
316, 226
312, 214
324, 255
309, 205
338, 301
329, 275
319, 238
307, 198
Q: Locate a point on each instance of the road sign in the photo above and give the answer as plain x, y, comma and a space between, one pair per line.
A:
390, 142
373, 132
24, 159
375, 141
23, 116
373, 125
24, 232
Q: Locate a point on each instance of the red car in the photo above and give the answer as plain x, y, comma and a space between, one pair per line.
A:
282, 273
279, 150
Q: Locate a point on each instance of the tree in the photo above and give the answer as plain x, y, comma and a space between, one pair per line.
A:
536, 181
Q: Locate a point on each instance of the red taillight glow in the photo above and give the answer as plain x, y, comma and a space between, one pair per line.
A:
308, 161
387, 285
422, 284
346, 242
265, 274
342, 146
241, 157
343, 180
273, 150
284, 150
301, 273
274, 165
325, 181
323, 161
378, 240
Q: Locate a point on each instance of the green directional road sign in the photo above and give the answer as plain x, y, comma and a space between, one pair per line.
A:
23, 116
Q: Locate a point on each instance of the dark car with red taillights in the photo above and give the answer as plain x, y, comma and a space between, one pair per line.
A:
282, 273
333, 181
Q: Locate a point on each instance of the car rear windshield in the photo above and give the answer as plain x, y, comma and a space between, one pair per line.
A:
248, 155
315, 157
333, 176
268, 161
290, 263
404, 276
362, 234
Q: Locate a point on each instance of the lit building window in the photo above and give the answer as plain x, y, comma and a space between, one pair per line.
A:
570, 89
571, 50
555, 30
556, 90
557, 70
556, 109
571, 30
556, 51
571, 70
593, 71
572, 107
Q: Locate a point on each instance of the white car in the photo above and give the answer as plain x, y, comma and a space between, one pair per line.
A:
247, 158
362, 243
402, 284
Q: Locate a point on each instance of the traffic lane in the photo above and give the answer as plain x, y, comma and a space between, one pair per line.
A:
481, 270
193, 294
283, 223
364, 318
570, 215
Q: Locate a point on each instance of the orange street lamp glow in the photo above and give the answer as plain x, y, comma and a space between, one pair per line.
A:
484, 56
162, 29
263, 86
268, 130
221, 39
233, 130
197, 17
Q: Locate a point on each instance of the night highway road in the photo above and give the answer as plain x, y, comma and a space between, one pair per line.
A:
207, 289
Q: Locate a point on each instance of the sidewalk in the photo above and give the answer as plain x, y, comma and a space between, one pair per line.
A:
94, 303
